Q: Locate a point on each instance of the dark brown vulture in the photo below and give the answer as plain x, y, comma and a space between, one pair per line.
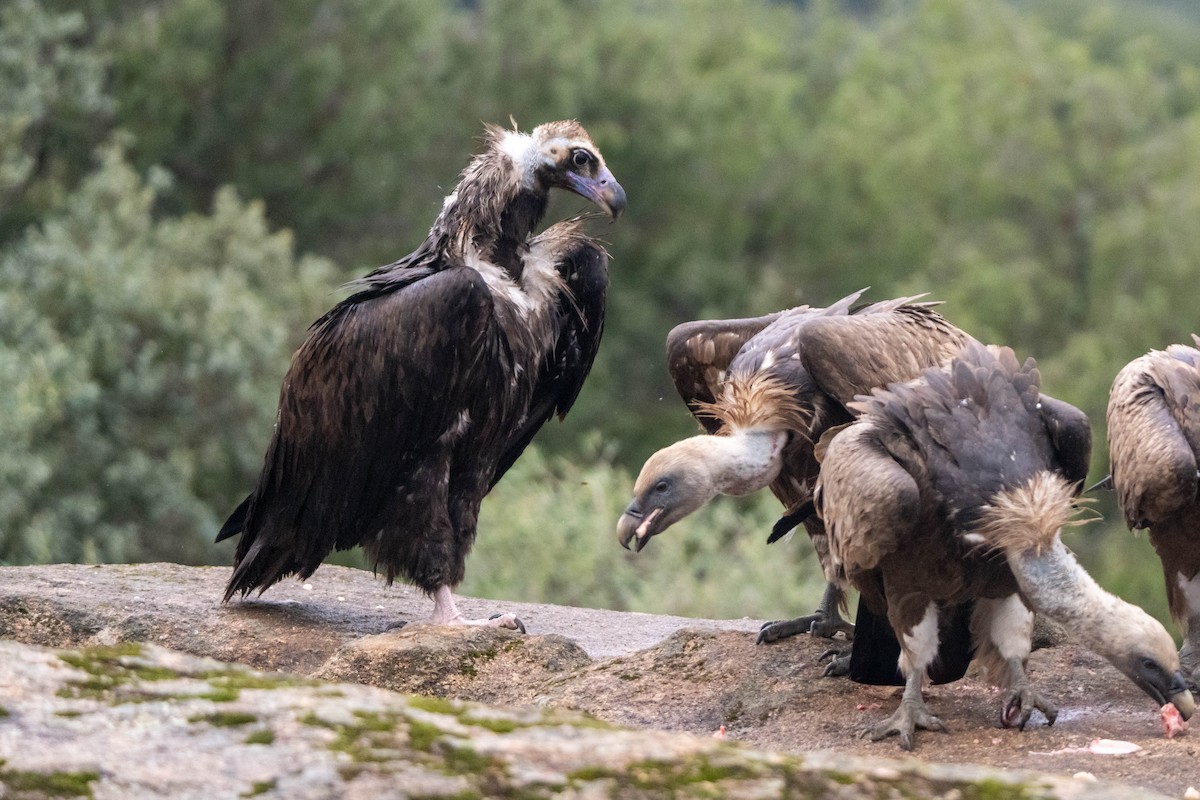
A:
765, 389
410, 399
1153, 450
954, 487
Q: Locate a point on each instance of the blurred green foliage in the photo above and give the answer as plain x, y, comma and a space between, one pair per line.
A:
185, 183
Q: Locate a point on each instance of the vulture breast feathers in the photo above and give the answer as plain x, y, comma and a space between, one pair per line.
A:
412, 397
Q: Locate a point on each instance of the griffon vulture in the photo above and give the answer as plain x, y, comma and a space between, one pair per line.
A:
1153, 450
954, 487
410, 399
765, 389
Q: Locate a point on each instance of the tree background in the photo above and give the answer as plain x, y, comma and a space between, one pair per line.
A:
185, 184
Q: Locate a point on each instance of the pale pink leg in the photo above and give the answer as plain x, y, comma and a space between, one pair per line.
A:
445, 612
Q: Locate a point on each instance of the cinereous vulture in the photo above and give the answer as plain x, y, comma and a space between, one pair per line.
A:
411, 398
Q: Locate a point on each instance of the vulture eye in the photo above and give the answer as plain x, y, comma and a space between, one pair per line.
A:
1149, 664
662, 486
581, 158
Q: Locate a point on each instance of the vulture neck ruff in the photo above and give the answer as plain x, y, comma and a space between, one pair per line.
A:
757, 402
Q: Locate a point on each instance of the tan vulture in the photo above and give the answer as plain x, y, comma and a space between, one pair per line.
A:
955, 487
765, 389
409, 400
1153, 450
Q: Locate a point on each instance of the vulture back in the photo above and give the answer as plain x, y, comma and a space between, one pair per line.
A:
1154, 434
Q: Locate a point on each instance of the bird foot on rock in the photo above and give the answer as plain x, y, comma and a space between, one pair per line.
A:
1019, 706
784, 628
506, 620
510, 621
839, 663
818, 624
909, 717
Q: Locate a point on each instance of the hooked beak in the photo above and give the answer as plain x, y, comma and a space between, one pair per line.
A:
1176, 693
633, 524
603, 190
1181, 698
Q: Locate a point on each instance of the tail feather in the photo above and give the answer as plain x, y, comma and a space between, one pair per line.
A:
236, 522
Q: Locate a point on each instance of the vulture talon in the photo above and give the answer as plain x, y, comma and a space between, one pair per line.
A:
509, 621
1020, 706
911, 716
839, 663
825, 622
785, 628
828, 628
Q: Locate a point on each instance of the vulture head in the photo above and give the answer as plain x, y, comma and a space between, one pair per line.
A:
1138, 646
684, 477
561, 155
758, 415
1026, 523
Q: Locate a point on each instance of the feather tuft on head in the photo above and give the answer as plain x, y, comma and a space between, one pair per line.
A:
1030, 516
759, 401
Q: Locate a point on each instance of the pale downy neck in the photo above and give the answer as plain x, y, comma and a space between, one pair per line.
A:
744, 461
1060, 588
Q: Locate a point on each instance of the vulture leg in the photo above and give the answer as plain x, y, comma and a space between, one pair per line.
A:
826, 621
1189, 654
445, 612
919, 648
1006, 626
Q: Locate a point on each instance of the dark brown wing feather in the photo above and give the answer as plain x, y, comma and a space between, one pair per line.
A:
883, 343
1070, 434
1153, 418
699, 354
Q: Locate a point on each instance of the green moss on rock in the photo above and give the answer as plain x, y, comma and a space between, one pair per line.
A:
48, 784
225, 719
259, 787
261, 737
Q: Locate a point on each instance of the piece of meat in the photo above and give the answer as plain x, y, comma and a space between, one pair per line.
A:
1172, 722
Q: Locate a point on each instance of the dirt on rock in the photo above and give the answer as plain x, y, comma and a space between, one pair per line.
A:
640, 670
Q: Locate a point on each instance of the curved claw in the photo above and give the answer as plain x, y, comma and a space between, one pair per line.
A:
1019, 706
784, 628
829, 628
510, 621
839, 663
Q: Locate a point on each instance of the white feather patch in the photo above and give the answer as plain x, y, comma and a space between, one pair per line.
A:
521, 148
921, 643
540, 281
1191, 591
1011, 626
